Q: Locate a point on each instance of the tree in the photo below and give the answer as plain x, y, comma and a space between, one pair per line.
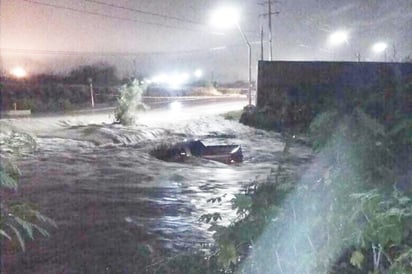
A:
101, 74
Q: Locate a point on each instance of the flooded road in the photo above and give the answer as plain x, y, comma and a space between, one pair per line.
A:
116, 206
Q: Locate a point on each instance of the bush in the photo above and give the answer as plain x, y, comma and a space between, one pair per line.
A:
129, 103
233, 115
28, 103
349, 213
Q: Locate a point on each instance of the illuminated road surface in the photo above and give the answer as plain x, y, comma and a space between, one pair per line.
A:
189, 110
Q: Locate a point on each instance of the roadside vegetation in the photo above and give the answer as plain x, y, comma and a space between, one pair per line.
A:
58, 93
66, 93
351, 211
129, 103
19, 221
232, 115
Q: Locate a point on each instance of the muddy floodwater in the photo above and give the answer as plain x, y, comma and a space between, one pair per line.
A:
114, 203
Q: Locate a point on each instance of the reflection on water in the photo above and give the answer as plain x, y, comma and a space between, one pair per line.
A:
108, 195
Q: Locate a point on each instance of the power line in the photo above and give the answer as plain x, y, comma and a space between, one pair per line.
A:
90, 53
110, 16
20, 51
95, 53
146, 12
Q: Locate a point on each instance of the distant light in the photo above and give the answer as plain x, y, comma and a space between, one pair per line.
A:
159, 79
338, 38
18, 72
163, 78
154, 80
225, 17
379, 47
175, 106
173, 80
198, 73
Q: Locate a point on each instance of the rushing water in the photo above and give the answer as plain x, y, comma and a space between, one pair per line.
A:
109, 197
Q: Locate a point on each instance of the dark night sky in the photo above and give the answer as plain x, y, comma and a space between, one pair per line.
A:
40, 35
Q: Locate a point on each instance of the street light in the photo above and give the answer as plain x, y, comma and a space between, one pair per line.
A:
340, 37
226, 18
380, 47
337, 38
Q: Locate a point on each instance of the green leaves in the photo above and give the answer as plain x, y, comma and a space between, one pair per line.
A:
21, 220
18, 221
242, 203
4, 234
370, 124
385, 216
6, 180
403, 263
18, 236
357, 259
26, 226
322, 128
227, 255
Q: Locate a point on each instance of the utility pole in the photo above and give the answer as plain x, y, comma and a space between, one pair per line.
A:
394, 52
270, 28
269, 14
261, 43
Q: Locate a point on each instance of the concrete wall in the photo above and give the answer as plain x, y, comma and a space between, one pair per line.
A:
302, 89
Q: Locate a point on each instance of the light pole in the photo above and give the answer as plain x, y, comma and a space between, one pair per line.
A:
226, 18
249, 62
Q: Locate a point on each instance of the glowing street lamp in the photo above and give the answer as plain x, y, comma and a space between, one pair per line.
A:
337, 38
226, 18
379, 48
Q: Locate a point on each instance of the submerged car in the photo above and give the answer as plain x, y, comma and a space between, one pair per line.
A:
228, 154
